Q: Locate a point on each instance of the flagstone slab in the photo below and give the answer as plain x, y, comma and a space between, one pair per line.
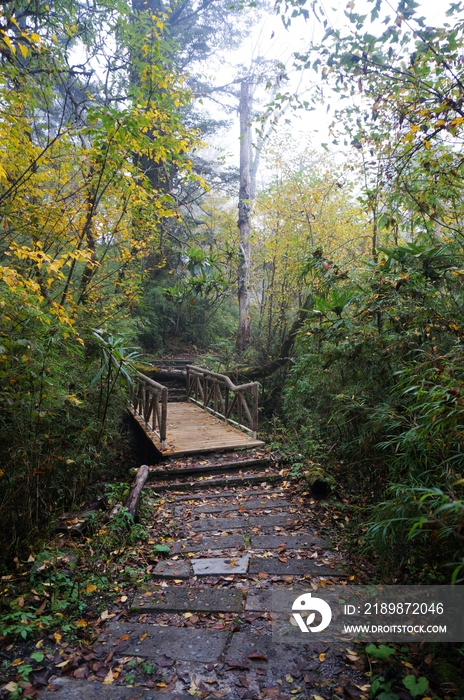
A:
189, 600
292, 567
205, 543
67, 689
300, 541
251, 504
223, 493
273, 654
172, 569
205, 524
234, 507
218, 566
258, 601
267, 521
177, 643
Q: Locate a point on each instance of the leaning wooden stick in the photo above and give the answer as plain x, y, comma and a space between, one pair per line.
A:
136, 490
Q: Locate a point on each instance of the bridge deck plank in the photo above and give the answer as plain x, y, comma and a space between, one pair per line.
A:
191, 430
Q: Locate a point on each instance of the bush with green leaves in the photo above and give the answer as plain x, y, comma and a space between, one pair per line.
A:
379, 378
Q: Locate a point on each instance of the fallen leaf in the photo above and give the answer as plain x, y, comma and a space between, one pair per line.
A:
322, 658
17, 662
81, 672
109, 678
143, 636
257, 656
81, 623
41, 609
90, 588
11, 687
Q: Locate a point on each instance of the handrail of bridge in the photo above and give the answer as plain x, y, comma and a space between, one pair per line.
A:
149, 400
205, 388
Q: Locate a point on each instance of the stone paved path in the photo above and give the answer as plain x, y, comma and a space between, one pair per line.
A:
205, 620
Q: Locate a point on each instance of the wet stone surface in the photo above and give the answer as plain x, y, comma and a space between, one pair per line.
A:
218, 524
293, 567
184, 644
248, 649
300, 541
68, 689
258, 601
189, 600
204, 623
206, 543
248, 504
172, 569
270, 521
217, 566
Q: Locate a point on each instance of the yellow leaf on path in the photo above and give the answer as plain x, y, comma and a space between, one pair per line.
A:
90, 588
289, 678
11, 687
57, 637
39, 644
188, 614
318, 697
322, 657
144, 636
17, 662
81, 623
109, 678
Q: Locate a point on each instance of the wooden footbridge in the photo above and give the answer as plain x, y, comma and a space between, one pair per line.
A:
218, 415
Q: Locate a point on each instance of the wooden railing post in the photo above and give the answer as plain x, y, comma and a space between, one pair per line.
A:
254, 410
208, 388
145, 401
164, 416
226, 405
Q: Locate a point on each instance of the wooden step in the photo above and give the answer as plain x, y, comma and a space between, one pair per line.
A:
204, 484
162, 473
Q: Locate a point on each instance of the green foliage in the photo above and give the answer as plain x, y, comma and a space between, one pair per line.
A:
381, 652
381, 689
379, 379
416, 686
162, 549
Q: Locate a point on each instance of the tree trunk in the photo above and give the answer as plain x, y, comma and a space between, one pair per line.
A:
256, 373
244, 197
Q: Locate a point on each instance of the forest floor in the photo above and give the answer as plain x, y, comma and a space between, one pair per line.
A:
187, 612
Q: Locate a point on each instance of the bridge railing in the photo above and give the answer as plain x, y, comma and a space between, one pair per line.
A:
216, 393
149, 400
